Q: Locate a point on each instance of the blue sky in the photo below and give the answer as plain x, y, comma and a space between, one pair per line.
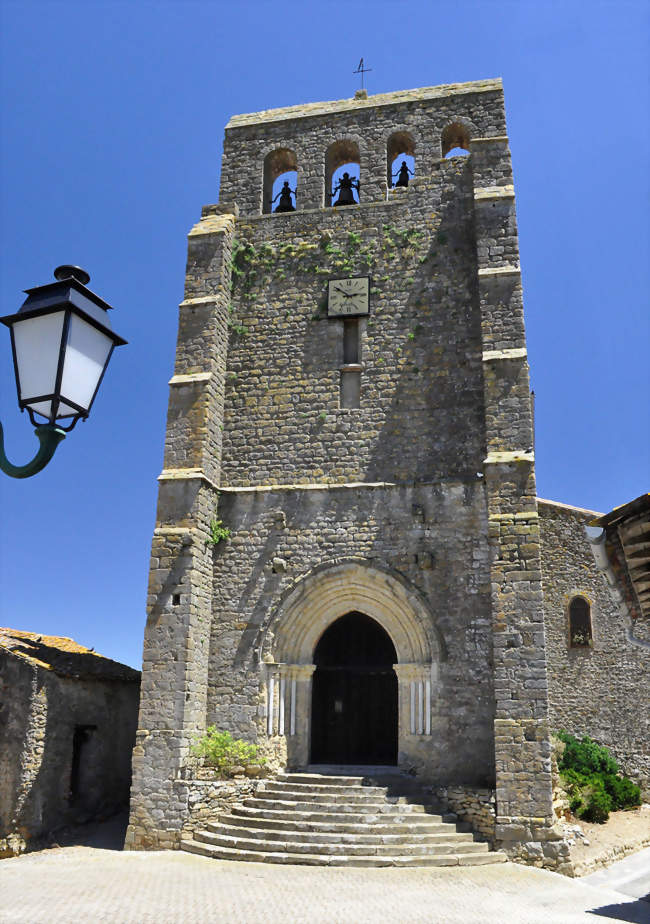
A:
111, 143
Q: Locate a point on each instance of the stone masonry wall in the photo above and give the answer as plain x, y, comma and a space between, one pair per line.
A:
421, 413
206, 800
602, 690
310, 130
433, 535
179, 598
39, 713
474, 807
444, 419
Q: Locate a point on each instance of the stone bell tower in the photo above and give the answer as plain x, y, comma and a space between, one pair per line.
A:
351, 402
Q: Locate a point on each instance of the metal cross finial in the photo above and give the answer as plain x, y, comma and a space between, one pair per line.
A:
362, 70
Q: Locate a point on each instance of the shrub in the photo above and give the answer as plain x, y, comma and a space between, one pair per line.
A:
223, 752
218, 532
622, 791
598, 806
585, 756
590, 776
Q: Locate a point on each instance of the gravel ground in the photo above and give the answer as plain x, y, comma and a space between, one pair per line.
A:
622, 831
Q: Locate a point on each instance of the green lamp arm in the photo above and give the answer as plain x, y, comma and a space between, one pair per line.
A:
49, 437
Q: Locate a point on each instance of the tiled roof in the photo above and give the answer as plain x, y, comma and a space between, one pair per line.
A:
64, 656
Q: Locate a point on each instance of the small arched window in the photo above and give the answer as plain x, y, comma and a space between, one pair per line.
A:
580, 634
400, 154
342, 173
455, 141
280, 181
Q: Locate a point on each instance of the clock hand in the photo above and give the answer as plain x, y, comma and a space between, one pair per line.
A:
346, 294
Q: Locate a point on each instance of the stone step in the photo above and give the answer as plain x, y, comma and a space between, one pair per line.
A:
351, 770
260, 856
391, 785
280, 786
423, 824
444, 835
320, 779
397, 814
332, 820
373, 797
378, 807
346, 849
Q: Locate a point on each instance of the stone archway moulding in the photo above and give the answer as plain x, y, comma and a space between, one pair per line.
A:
333, 589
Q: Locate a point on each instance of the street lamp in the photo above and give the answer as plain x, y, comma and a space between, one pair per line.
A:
61, 340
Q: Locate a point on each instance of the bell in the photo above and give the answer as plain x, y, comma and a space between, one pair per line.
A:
345, 188
403, 176
285, 204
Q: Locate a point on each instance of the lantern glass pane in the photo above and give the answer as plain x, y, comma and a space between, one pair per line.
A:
38, 342
86, 353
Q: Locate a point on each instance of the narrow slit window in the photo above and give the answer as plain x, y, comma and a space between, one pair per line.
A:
80, 741
350, 389
350, 395
580, 633
351, 342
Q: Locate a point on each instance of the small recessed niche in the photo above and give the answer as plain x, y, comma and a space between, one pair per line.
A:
350, 389
351, 341
176, 599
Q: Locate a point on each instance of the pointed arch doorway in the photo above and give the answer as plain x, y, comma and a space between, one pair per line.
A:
354, 714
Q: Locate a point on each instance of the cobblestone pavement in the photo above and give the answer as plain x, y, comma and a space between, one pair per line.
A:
84, 884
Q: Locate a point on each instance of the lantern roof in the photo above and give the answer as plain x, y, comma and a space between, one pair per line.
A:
68, 292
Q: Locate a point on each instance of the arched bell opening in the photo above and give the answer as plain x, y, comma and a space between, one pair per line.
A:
354, 714
400, 156
342, 173
455, 141
280, 168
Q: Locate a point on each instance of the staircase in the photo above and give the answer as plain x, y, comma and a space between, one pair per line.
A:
329, 820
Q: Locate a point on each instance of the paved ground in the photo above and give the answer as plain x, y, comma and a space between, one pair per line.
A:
630, 876
87, 884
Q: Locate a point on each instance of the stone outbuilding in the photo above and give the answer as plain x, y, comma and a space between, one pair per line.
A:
68, 718
596, 578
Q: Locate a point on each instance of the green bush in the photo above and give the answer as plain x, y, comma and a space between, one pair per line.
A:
585, 756
223, 752
590, 776
622, 791
598, 806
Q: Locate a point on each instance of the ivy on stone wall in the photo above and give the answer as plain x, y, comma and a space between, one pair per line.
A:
254, 268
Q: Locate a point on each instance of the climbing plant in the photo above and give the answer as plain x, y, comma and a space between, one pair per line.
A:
252, 267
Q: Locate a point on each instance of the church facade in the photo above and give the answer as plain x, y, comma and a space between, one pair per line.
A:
346, 566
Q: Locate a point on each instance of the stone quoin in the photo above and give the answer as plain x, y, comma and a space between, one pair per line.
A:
372, 464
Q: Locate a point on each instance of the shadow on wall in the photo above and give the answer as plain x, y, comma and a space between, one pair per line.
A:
434, 423
72, 763
105, 834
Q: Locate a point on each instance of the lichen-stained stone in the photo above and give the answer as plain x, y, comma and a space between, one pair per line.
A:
67, 724
602, 689
284, 506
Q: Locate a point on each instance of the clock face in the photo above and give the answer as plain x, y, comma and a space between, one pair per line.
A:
348, 296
